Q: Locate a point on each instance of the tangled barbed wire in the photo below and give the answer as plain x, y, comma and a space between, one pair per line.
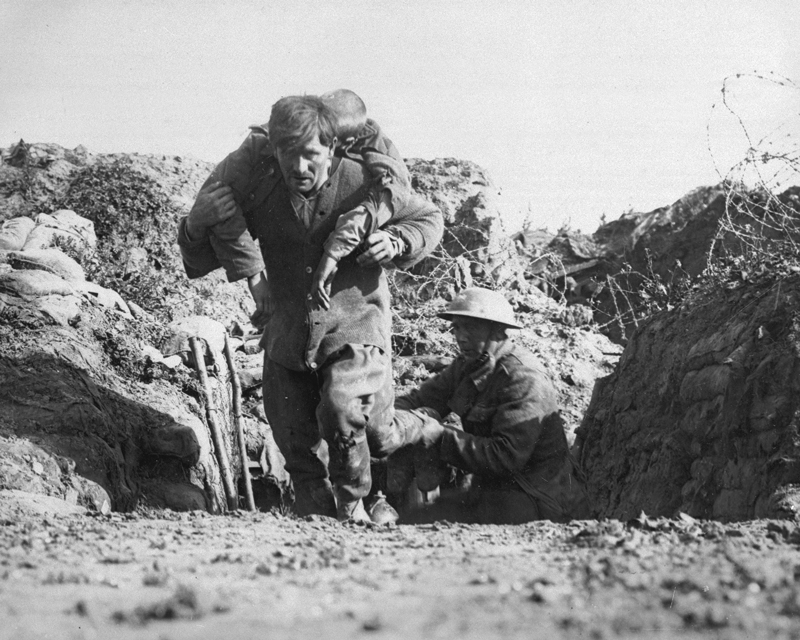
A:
761, 220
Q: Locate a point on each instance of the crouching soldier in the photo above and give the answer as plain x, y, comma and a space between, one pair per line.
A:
513, 439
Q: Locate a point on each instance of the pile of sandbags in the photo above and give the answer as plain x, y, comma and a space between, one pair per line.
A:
39, 279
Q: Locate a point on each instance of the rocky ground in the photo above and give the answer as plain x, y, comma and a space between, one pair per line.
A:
196, 575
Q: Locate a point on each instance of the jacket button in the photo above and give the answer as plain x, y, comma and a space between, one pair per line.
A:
252, 196
309, 296
309, 269
313, 365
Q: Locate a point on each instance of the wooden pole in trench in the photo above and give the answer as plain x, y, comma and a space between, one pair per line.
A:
213, 425
237, 419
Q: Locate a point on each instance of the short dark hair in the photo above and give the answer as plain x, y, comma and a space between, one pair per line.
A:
350, 111
295, 120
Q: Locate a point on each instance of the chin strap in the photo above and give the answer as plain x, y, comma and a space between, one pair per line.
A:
486, 362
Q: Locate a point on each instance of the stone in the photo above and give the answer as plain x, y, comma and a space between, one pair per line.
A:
15, 504
251, 378
175, 440
210, 332
106, 298
62, 310
252, 346
135, 259
137, 312
178, 496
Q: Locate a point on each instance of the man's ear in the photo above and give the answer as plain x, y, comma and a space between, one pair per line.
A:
332, 148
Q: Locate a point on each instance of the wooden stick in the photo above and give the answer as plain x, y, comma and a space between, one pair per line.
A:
237, 418
213, 425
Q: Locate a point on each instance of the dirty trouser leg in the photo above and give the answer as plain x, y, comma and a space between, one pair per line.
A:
355, 413
290, 402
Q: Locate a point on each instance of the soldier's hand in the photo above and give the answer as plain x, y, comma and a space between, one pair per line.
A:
380, 250
260, 292
214, 204
322, 280
230, 229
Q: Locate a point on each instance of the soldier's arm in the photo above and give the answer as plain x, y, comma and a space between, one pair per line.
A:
517, 415
217, 222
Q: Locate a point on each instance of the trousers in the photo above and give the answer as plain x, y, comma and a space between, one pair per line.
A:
348, 403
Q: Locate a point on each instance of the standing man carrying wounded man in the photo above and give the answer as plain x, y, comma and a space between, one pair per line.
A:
327, 372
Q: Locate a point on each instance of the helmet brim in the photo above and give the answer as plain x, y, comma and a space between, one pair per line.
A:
448, 315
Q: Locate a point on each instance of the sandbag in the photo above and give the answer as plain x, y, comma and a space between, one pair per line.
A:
62, 310
33, 283
51, 260
63, 226
14, 233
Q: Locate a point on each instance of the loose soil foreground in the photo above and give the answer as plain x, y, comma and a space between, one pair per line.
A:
196, 575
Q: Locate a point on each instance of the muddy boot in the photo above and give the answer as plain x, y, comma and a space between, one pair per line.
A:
314, 498
352, 511
380, 511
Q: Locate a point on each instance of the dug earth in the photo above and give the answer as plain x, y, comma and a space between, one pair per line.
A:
196, 575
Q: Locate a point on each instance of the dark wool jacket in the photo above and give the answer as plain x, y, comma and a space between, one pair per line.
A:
298, 335
509, 415
250, 171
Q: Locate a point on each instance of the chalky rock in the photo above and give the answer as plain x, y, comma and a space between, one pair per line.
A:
106, 298
701, 413
174, 495
63, 310
251, 378
211, 332
16, 504
179, 441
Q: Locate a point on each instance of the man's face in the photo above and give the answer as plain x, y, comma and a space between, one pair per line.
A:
306, 168
471, 335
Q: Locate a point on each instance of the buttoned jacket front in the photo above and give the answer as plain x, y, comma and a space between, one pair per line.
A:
299, 335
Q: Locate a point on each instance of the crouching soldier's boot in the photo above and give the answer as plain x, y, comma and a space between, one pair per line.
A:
380, 511
314, 498
351, 511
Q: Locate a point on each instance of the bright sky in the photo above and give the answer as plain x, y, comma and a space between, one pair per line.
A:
576, 107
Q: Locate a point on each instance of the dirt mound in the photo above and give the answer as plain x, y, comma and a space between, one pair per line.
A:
700, 415
645, 262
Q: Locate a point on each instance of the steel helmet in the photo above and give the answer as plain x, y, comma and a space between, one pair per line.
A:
483, 304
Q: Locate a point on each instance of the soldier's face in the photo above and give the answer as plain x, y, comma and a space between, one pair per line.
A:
307, 167
471, 335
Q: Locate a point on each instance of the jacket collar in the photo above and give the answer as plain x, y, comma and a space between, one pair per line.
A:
485, 365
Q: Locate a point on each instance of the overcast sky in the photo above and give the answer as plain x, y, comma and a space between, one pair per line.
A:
577, 107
